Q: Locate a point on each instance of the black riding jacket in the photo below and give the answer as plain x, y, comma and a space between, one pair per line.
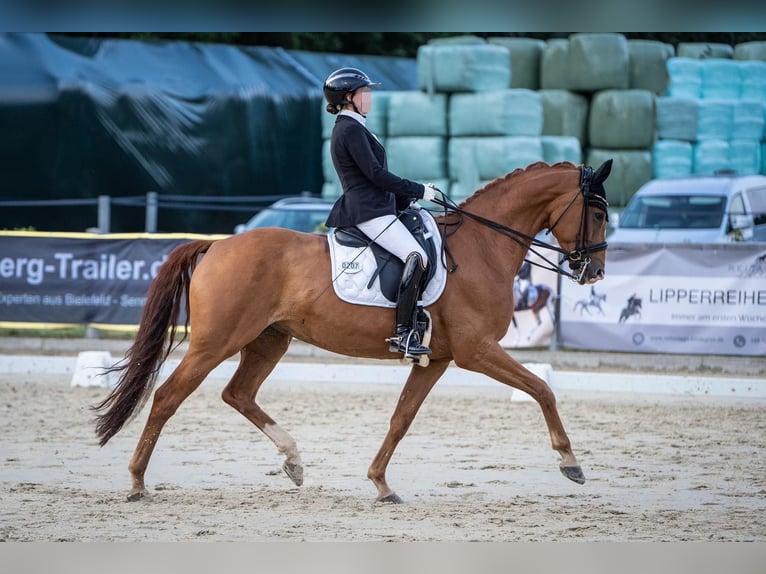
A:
369, 189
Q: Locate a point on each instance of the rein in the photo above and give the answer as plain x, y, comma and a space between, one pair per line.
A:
578, 258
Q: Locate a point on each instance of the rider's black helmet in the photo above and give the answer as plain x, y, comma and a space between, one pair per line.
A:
340, 83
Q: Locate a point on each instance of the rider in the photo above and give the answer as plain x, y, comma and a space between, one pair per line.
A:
525, 292
373, 196
593, 296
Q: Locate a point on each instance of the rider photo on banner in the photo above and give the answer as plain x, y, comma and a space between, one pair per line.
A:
534, 301
694, 299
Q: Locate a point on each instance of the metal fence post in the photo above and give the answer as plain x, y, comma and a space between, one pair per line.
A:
556, 334
151, 212
104, 226
104, 214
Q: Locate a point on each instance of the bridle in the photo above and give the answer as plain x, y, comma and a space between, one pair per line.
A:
578, 258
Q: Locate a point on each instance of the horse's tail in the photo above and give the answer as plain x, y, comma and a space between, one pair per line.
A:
153, 342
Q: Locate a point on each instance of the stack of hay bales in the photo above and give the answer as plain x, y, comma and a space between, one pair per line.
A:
713, 115
416, 140
492, 128
564, 112
496, 112
600, 89
486, 107
491, 134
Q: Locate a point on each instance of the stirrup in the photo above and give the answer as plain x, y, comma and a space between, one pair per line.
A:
409, 344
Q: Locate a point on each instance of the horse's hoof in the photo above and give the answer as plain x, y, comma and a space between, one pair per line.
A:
294, 471
392, 498
135, 495
573, 473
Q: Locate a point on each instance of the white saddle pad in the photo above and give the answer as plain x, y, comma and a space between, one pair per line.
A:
352, 268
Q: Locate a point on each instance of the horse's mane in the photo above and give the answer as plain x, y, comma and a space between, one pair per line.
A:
516, 173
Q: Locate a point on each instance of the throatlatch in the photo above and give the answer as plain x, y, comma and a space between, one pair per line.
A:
406, 338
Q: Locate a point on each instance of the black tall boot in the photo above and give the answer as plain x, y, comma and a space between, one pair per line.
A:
406, 339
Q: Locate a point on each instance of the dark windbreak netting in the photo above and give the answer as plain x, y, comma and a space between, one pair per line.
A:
80, 118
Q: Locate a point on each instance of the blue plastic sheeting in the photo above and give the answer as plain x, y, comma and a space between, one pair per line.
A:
84, 117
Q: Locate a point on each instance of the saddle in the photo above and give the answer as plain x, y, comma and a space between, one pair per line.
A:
389, 268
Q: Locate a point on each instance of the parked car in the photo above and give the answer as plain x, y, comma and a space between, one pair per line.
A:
299, 213
703, 209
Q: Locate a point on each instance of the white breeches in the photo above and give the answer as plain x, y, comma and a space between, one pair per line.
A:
391, 234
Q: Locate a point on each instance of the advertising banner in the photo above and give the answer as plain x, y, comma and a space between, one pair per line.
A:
79, 278
686, 298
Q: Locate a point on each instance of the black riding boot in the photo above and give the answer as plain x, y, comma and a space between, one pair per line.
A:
406, 339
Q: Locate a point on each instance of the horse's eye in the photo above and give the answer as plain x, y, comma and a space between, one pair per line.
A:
598, 216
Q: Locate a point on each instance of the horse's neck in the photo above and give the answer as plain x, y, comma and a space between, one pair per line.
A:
522, 200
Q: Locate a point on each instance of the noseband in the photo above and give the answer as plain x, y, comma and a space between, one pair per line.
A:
579, 258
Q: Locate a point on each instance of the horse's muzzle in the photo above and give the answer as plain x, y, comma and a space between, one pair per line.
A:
593, 272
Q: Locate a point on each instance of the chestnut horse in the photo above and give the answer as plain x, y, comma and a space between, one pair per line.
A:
253, 293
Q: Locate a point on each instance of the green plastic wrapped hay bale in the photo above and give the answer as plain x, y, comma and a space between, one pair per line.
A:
463, 68
671, 158
747, 120
561, 148
462, 190
630, 170
745, 156
720, 79
463, 39
703, 50
497, 113
649, 65
526, 54
685, 78
622, 119
598, 62
414, 113
753, 80
377, 119
553, 65
715, 119
710, 156
564, 113
676, 118
422, 158
477, 158
750, 51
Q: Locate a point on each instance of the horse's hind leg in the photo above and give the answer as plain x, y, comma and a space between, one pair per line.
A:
189, 374
257, 360
419, 384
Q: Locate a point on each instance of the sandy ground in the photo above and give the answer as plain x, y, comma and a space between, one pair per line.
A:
475, 466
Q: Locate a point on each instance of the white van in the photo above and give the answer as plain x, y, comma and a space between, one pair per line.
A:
704, 209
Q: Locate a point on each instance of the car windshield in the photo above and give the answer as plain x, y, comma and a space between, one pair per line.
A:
674, 212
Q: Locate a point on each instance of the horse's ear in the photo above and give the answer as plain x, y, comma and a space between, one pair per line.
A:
603, 172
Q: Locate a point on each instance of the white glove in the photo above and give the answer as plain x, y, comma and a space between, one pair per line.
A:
430, 192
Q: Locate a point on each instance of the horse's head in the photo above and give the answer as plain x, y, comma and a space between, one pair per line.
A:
579, 225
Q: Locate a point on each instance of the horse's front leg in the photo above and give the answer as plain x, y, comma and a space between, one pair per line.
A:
492, 360
419, 384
